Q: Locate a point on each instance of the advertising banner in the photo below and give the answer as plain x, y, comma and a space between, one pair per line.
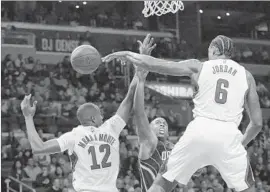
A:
185, 91
63, 39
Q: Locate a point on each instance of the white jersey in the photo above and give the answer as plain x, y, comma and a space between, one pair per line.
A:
222, 87
94, 155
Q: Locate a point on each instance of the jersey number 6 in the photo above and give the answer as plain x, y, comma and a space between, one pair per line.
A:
221, 93
104, 163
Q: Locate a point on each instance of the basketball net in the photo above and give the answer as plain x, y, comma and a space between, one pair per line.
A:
161, 7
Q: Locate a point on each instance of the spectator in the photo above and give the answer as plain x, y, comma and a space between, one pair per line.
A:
44, 160
203, 187
59, 172
60, 82
25, 146
265, 55
9, 150
261, 89
265, 102
68, 186
120, 185
19, 62
43, 179
31, 171
16, 170
190, 186
65, 166
217, 187
55, 187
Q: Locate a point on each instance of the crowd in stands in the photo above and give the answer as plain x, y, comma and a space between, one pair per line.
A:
254, 53
114, 16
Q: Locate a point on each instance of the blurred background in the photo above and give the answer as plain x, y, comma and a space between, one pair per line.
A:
37, 39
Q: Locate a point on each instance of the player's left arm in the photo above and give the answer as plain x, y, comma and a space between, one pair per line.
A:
254, 111
37, 144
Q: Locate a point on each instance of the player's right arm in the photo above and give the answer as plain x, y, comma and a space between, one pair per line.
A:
252, 106
183, 68
117, 122
126, 105
38, 146
147, 138
120, 119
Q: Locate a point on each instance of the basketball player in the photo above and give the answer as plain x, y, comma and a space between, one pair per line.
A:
93, 146
223, 89
154, 147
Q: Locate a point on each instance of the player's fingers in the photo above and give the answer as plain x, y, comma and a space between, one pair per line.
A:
153, 47
107, 58
23, 102
35, 104
28, 99
151, 42
139, 42
146, 39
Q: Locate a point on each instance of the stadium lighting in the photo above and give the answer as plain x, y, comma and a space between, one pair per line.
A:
201, 11
228, 14
218, 17
84, 2
77, 6
59, 1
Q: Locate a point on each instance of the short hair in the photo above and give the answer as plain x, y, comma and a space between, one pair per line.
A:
160, 127
224, 45
86, 111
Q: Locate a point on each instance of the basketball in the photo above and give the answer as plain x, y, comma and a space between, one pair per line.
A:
85, 59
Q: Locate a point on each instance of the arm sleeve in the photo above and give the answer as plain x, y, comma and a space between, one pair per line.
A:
116, 124
66, 141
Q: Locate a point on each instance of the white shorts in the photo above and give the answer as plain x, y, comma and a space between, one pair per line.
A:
210, 142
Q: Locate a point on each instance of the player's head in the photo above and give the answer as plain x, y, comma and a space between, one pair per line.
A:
89, 115
221, 46
160, 127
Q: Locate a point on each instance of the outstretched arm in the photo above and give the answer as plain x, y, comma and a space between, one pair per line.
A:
147, 138
38, 146
252, 106
125, 107
182, 68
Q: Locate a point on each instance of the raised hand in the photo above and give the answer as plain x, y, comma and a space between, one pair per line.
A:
27, 109
147, 46
141, 73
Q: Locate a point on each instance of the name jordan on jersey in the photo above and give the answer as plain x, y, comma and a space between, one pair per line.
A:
224, 69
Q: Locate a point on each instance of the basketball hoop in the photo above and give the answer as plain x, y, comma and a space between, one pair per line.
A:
161, 7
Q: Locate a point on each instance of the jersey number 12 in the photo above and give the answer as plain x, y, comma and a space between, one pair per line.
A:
104, 163
221, 92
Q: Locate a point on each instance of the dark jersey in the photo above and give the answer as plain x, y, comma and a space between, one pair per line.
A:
149, 168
